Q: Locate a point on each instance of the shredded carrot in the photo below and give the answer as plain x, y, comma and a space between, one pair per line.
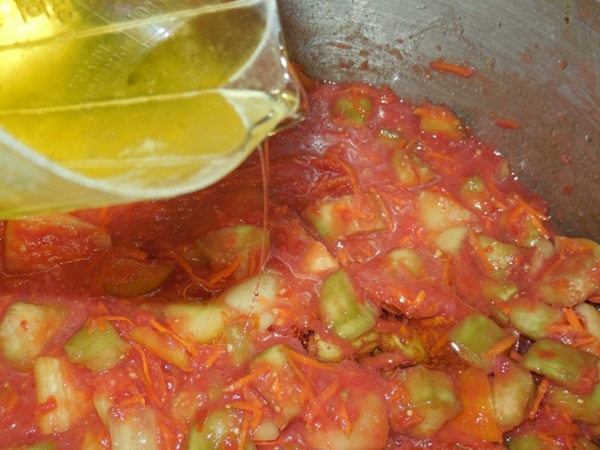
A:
506, 123
442, 66
187, 268
501, 346
308, 360
243, 432
342, 414
214, 356
572, 318
516, 355
246, 380
419, 298
160, 327
539, 395
300, 374
317, 404
98, 323
225, 272
146, 378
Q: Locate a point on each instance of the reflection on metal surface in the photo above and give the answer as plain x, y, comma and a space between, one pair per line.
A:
537, 63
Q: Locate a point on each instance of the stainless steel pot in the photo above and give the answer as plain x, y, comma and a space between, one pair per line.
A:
537, 63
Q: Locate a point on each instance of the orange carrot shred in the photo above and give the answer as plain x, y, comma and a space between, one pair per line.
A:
442, 66
501, 346
539, 395
572, 318
247, 379
225, 272
163, 329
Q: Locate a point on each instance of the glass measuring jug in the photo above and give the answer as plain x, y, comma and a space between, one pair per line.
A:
112, 101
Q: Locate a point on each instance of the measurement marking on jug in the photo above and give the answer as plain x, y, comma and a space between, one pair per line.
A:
30, 9
62, 10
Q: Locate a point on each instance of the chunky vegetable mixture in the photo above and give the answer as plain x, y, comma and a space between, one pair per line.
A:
404, 292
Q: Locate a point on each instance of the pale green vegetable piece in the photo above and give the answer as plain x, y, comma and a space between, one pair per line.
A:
197, 322
344, 216
438, 211
53, 383
218, 431
341, 309
513, 392
431, 396
369, 428
98, 349
451, 239
25, 330
255, 296
136, 428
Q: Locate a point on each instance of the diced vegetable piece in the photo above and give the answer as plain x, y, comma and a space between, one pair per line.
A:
197, 322
591, 317
368, 428
129, 274
571, 280
476, 194
407, 341
410, 169
498, 290
532, 317
256, 296
25, 331
163, 346
61, 401
93, 440
344, 216
102, 402
352, 106
438, 211
326, 351
585, 443
241, 245
425, 401
98, 348
500, 258
523, 224
513, 392
572, 368
220, 429
134, 428
40, 243
477, 416
530, 441
451, 239
44, 445
476, 339
439, 120
280, 385
186, 402
582, 408
341, 309
240, 349
406, 259
317, 259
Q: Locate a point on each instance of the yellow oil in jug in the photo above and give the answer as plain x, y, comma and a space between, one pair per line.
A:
141, 103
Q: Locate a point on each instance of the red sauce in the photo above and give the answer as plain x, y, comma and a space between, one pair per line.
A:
405, 176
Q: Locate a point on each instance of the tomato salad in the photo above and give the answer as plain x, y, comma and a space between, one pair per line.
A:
396, 288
